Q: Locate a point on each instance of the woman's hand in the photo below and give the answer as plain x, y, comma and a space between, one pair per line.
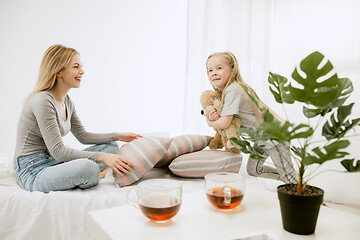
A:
119, 165
127, 137
213, 115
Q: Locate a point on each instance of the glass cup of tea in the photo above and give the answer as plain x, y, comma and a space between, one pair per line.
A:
225, 190
158, 199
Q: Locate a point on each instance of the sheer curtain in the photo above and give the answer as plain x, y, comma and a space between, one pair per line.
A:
241, 27
268, 36
274, 35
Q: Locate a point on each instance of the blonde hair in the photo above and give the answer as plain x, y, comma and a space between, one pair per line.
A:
54, 60
236, 77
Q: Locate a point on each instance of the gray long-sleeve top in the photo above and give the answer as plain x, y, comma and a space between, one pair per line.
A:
41, 127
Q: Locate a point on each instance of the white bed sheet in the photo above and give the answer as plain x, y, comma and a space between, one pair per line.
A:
63, 214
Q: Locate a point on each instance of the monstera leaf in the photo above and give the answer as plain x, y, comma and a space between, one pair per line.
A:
326, 153
322, 93
245, 147
349, 165
337, 127
311, 113
279, 87
298, 151
243, 142
282, 131
252, 134
317, 92
345, 88
285, 132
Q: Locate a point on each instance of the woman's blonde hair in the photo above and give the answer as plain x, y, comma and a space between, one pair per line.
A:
236, 77
54, 60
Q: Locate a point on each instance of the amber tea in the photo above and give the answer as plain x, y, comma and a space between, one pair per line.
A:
159, 207
158, 199
217, 197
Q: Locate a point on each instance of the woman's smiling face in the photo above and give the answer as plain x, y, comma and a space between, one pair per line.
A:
72, 73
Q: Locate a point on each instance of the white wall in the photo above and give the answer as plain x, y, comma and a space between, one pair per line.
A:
137, 54
133, 54
331, 27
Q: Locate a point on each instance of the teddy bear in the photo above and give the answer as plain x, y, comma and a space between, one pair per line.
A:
211, 100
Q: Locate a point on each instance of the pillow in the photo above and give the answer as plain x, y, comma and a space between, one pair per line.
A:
144, 153
183, 144
200, 163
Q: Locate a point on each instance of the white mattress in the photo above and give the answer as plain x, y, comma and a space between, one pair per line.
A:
63, 214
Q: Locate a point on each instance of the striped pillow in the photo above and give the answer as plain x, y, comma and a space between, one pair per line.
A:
200, 163
183, 144
144, 153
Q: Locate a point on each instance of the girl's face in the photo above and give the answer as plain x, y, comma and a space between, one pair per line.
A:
218, 71
71, 75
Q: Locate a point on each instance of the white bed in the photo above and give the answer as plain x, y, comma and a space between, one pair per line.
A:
63, 214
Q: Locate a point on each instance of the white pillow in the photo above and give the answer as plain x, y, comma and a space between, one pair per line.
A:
200, 163
183, 144
144, 153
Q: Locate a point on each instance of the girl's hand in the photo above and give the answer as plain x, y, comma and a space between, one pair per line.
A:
209, 123
119, 165
213, 115
127, 137
222, 123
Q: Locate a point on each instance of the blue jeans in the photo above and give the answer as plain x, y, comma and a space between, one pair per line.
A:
41, 172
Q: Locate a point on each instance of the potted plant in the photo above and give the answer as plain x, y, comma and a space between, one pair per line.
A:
322, 96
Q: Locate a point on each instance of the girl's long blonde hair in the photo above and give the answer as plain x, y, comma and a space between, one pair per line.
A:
236, 77
54, 60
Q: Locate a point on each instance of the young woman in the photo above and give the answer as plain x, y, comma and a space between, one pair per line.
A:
224, 75
42, 161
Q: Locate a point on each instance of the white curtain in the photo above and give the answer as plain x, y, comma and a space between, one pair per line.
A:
241, 27
274, 35
268, 36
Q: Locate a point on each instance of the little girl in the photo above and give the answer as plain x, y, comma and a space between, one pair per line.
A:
224, 75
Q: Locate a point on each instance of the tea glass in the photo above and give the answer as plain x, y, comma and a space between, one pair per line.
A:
225, 190
158, 199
